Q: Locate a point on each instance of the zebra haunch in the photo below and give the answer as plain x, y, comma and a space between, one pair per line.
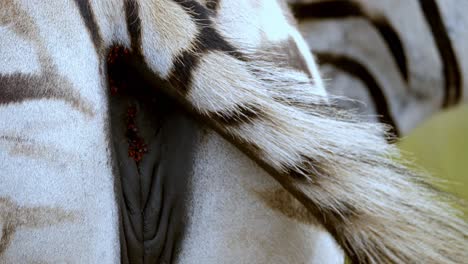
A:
221, 71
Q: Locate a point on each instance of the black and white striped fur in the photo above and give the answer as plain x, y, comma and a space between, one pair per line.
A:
339, 167
406, 60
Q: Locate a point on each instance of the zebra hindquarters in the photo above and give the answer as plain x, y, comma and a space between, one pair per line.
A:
237, 214
57, 201
189, 196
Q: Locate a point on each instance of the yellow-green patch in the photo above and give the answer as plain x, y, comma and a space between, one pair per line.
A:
440, 146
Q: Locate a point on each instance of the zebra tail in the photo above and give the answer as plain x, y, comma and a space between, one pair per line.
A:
339, 167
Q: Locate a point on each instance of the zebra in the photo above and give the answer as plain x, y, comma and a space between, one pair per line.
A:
405, 59
72, 147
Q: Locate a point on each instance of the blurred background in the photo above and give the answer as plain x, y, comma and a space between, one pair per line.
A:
440, 146
405, 63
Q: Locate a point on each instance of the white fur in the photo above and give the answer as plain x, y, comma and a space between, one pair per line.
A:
410, 103
54, 158
57, 159
377, 210
229, 224
163, 36
17, 61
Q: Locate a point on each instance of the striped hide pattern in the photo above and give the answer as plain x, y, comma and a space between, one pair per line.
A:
185, 131
406, 60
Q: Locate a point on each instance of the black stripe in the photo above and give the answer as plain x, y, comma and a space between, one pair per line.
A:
213, 5
211, 40
344, 9
18, 87
90, 21
394, 43
328, 9
182, 71
243, 114
356, 69
197, 11
450, 65
208, 39
133, 25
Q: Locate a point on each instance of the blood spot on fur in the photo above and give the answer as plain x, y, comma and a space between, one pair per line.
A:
116, 55
136, 145
119, 84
